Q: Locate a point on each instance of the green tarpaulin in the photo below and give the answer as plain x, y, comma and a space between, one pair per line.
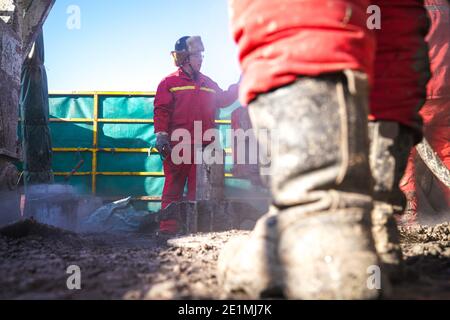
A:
37, 149
70, 137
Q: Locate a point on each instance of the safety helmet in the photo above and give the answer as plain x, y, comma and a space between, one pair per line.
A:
186, 46
181, 44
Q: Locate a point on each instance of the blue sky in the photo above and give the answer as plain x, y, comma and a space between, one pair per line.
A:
125, 45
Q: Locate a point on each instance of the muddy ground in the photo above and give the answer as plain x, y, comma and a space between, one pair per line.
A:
34, 259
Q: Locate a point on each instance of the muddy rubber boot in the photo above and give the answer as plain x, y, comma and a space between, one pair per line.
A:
319, 244
390, 146
248, 266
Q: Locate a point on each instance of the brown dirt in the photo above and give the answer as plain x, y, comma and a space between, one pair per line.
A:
34, 259
426, 253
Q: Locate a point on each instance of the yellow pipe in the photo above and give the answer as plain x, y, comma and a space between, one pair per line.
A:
102, 120
70, 120
131, 174
72, 149
63, 174
142, 198
127, 120
118, 150
71, 93
128, 150
158, 199
102, 93
118, 120
147, 198
95, 144
126, 93
94, 172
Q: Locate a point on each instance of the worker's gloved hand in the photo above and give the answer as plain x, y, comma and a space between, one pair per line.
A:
163, 144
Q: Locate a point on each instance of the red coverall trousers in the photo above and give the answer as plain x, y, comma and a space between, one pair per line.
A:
436, 111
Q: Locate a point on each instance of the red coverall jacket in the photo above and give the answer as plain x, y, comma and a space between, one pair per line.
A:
178, 103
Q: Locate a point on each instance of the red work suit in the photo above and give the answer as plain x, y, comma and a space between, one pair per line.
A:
180, 101
436, 111
281, 40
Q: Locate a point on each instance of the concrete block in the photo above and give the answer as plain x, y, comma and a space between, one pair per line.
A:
210, 179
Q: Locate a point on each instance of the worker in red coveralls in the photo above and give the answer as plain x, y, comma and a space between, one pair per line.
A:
182, 98
314, 72
436, 116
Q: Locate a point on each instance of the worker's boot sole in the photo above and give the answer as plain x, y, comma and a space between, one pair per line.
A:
330, 255
298, 254
249, 266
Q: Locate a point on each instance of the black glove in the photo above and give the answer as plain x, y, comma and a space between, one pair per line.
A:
163, 144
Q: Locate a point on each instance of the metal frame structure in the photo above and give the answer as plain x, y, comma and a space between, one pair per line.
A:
95, 149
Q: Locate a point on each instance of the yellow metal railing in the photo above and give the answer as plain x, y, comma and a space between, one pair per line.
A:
95, 148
